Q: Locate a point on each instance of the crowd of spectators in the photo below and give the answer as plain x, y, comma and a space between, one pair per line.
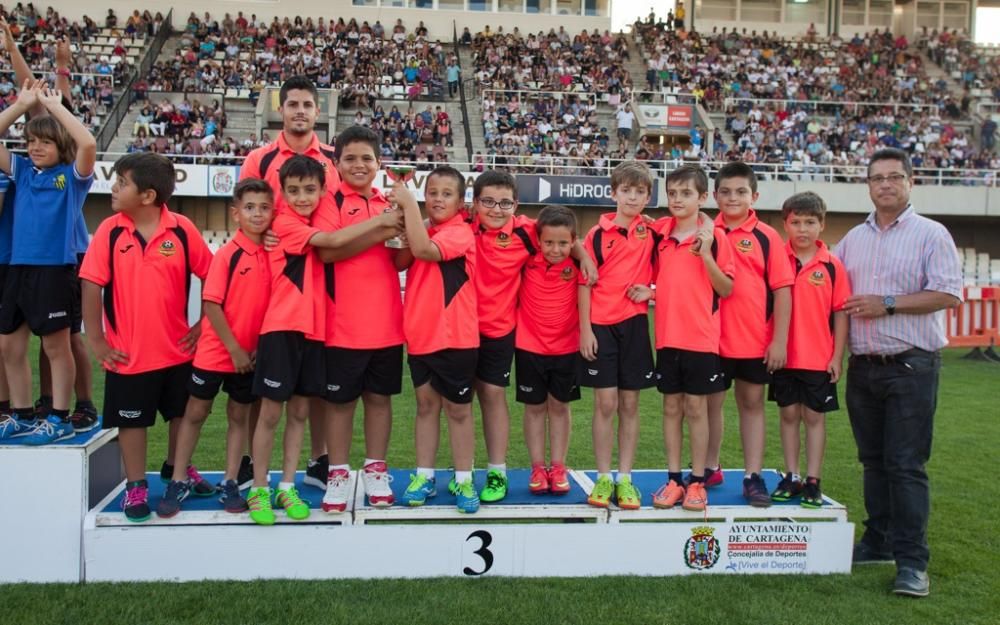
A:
365, 62
556, 61
421, 138
713, 66
978, 67
186, 127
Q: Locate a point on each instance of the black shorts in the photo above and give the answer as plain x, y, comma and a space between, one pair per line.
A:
449, 371
495, 356
289, 364
539, 376
41, 296
350, 372
685, 371
752, 370
76, 319
798, 386
204, 384
131, 400
624, 357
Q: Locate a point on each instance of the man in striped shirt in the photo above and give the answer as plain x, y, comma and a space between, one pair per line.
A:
905, 271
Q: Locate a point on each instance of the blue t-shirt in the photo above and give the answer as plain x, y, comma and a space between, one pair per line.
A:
47, 209
6, 218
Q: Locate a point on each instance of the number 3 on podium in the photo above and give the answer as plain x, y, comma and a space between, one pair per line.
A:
485, 540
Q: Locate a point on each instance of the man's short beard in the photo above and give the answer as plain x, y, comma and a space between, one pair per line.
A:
299, 133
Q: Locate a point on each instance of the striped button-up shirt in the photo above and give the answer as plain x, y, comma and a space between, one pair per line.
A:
910, 255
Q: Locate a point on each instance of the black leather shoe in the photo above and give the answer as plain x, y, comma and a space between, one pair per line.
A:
911, 582
863, 554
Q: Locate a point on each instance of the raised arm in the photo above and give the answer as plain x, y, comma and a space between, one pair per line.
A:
352, 240
86, 144
26, 98
22, 71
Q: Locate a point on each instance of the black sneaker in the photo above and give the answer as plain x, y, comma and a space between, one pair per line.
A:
787, 489
197, 485
812, 496
912, 583
170, 503
316, 472
755, 491
863, 554
136, 502
244, 478
231, 498
84, 419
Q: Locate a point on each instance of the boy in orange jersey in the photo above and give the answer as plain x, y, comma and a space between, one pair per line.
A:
547, 346
694, 270
235, 297
505, 241
806, 388
442, 331
143, 257
614, 332
364, 341
290, 363
754, 324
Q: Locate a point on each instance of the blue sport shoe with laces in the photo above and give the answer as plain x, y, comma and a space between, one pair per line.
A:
466, 497
419, 490
12, 427
51, 430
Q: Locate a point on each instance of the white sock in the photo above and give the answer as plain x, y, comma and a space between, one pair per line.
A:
603, 475
627, 476
426, 472
369, 461
796, 477
285, 485
501, 468
746, 476
462, 476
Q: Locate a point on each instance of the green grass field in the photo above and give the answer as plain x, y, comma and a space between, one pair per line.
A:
963, 534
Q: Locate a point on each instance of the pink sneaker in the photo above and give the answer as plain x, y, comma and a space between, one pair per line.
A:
714, 477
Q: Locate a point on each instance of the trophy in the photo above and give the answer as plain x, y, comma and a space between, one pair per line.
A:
404, 174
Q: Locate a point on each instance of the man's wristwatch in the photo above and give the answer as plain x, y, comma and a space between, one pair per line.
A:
890, 304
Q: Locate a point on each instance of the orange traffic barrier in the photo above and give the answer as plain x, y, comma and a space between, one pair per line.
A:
976, 321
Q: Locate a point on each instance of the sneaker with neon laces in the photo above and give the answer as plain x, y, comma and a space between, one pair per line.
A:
259, 502
376, 479
627, 495
496, 487
538, 483
668, 495
695, 497
199, 485
755, 491
136, 502
338, 490
558, 480
12, 427
84, 419
295, 507
170, 503
600, 495
467, 499
232, 501
317, 472
787, 489
419, 490
812, 496
714, 477
52, 430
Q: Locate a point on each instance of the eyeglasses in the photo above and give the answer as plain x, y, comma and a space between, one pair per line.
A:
505, 205
893, 178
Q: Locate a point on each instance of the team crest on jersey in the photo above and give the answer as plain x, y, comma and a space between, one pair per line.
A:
503, 240
641, 231
817, 278
702, 550
60, 181
167, 248
744, 245
567, 274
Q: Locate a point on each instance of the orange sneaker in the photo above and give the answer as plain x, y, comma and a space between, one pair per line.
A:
668, 495
558, 480
695, 499
538, 483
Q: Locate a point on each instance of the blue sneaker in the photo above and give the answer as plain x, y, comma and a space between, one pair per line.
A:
466, 497
51, 430
419, 490
12, 427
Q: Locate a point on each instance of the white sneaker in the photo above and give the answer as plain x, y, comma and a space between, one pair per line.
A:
338, 490
376, 479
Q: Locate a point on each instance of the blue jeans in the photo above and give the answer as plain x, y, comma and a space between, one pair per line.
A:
891, 406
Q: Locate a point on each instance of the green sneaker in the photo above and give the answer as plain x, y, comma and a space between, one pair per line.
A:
600, 496
496, 487
627, 495
259, 501
295, 508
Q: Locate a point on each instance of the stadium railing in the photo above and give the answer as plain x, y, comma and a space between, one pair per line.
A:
816, 104
504, 95
461, 94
